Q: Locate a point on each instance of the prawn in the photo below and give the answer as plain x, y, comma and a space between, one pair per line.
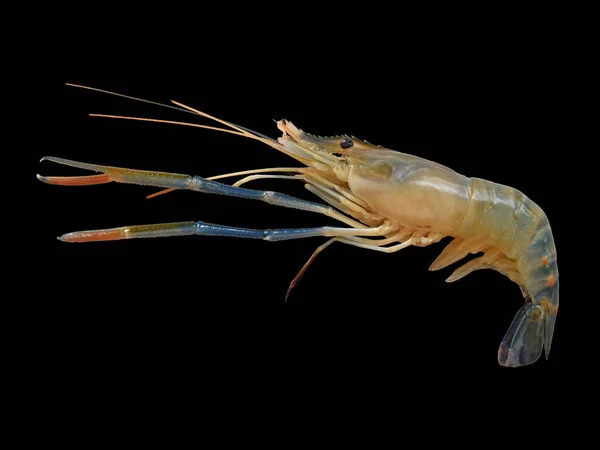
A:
387, 201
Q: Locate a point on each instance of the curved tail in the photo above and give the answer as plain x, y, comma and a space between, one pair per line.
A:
533, 325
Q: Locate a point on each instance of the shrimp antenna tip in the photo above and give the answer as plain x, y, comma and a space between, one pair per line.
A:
77, 85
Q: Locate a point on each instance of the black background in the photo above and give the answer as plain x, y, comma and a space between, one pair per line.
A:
492, 111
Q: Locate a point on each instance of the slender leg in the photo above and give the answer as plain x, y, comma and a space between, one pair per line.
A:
377, 245
368, 243
306, 265
207, 229
196, 183
314, 178
262, 177
339, 202
334, 198
392, 249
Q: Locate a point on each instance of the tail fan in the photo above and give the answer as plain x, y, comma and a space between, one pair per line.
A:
522, 345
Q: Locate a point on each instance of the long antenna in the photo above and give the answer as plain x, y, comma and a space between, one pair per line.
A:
164, 106
129, 97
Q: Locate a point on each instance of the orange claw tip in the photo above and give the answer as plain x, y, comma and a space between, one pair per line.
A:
85, 180
95, 235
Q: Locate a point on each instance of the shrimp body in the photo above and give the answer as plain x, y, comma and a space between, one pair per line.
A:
433, 201
413, 192
388, 201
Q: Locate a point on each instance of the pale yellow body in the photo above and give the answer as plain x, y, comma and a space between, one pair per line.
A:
413, 192
428, 198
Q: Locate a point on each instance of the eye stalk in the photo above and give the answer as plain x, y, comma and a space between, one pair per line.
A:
346, 143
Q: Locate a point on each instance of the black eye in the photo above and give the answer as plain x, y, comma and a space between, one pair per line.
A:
346, 143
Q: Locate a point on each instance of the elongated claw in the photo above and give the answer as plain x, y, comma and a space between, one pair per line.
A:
118, 174
181, 181
135, 231
208, 229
